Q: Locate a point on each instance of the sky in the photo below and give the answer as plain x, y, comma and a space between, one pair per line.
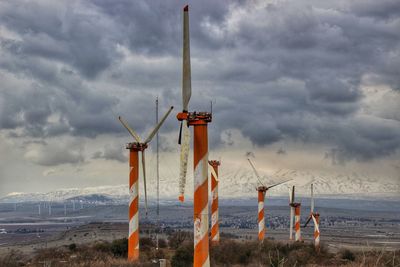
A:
300, 84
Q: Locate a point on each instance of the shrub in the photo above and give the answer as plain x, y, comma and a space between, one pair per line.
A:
176, 239
146, 243
119, 247
12, 259
72, 247
162, 243
183, 256
346, 254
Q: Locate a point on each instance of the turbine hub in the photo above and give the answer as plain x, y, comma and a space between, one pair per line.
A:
136, 146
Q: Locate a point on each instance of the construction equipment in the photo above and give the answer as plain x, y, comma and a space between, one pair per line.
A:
315, 217
294, 210
262, 189
199, 121
214, 205
134, 149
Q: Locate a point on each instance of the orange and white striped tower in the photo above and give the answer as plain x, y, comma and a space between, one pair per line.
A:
261, 220
261, 197
316, 231
200, 201
294, 212
214, 205
315, 217
199, 121
134, 149
133, 237
297, 234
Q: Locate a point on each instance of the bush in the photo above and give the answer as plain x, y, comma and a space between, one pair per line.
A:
183, 256
146, 243
72, 247
119, 247
346, 254
162, 243
176, 239
12, 259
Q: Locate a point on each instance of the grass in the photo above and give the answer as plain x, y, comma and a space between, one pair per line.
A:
179, 252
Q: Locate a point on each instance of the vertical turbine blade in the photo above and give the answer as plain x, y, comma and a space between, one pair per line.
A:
186, 76
185, 146
180, 134
144, 180
132, 132
312, 198
158, 126
293, 194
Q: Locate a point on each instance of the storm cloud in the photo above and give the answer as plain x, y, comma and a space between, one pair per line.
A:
277, 71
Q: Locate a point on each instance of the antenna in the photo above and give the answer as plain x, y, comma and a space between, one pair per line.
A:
158, 179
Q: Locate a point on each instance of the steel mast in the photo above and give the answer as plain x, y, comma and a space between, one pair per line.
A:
158, 181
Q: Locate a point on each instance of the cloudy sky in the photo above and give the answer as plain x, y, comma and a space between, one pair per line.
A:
301, 84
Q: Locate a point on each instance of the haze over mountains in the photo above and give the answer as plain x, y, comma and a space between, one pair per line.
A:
239, 183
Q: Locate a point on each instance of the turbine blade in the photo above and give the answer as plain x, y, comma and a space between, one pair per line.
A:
291, 223
180, 134
185, 146
255, 171
290, 196
186, 75
132, 132
308, 220
293, 188
279, 183
312, 198
144, 180
158, 126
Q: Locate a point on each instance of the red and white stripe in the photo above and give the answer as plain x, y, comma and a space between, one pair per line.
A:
316, 231
200, 153
261, 220
297, 222
214, 204
133, 239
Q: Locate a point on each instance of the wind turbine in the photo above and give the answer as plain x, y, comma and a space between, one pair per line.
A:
294, 209
134, 149
261, 197
315, 217
214, 205
199, 121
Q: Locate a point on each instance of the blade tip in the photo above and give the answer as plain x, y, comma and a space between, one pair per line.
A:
186, 8
181, 198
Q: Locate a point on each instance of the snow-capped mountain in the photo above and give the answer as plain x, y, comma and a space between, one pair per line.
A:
236, 184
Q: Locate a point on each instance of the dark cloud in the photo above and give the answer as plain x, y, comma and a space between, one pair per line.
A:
278, 71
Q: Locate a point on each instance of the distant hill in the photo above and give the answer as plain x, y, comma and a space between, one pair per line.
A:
239, 183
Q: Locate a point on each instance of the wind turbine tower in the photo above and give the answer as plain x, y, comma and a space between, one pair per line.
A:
214, 205
261, 199
294, 209
315, 217
134, 149
199, 121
